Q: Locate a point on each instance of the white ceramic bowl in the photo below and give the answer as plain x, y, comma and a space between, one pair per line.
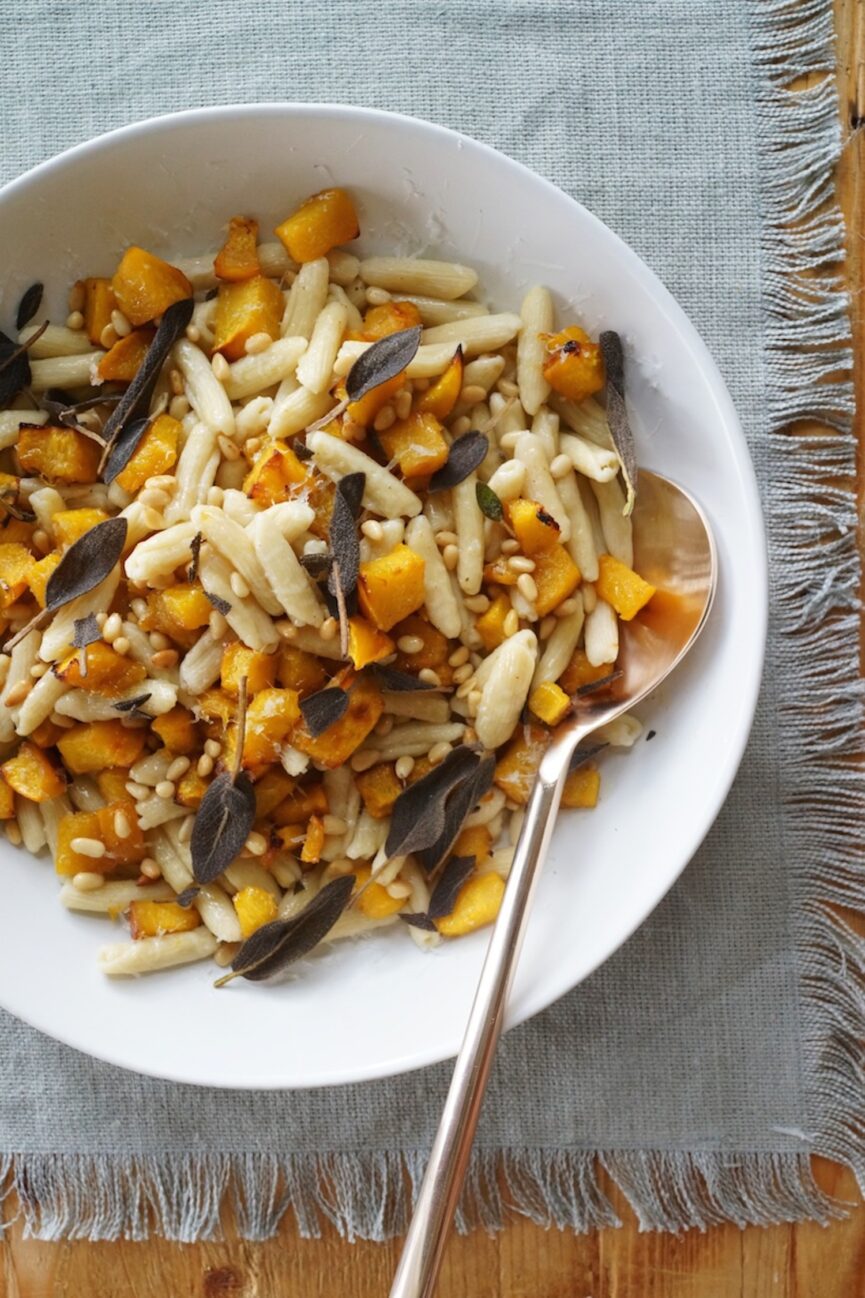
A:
372, 1008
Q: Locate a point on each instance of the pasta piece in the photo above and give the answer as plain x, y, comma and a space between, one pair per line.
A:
246, 618
560, 645
291, 583
11, 421
469, 526
294, 408
435, 311
24, 656
427, 362
421, 706
31, 824
539, 484
508, 479
621, 733
217, 913
440, 279
58, 634
39, 703
194, 473
235, 544
53, 812
545, 426
315, 367
537, 317
483, 333
441, 602
416, 739
176, 870
65, 371
251, 374
615, 525
249, 874
306, 298
83, 705
126, 959
602, 635
589, 459
383, 493
206, 394
112, 897
56, 340
158, 811
368, 837
160, 554
504, 679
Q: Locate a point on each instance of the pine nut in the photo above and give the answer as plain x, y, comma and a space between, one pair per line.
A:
150, 868
193, 333
328, 628
12, 832
477, 603
75, 320
108, 337
286, 629
428, 676
372, 530
398, 890
473, 700
120, 324
18, 693
239, 586
450, 556
508, 441
229, 450
88, 847
509, 545
41, 541
112, 628
508, 388
220, 367
560, 466
527, 586
178, 767
213, 748
217, 625
385, 417
590, 598
409, 644
122, 827
164, 659
257, 343
38, 669
204, 765
461, 426
383, 726
225, 953
547, 626
175, 379
178, 407
402, 404
459, 656
404, 767
566, 608
511, 624
463, 673
215, 496
438, 752
473, 393
87, 881
363, 760
519, 563
158, 640
121, 645
256, 844
377, 296
137, 791
165, 789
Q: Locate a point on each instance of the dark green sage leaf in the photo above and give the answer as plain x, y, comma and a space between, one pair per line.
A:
195, 547
418, 819
187, 897
221, 605
124, 446
85, 631
417, 919
461, 801
14, 369
464, 456
391, 678
30, 302
617, 413
451, 879
316, 564
133, 705
222, 825
382, 361
86, 563
274, 946
489, 503
323, 709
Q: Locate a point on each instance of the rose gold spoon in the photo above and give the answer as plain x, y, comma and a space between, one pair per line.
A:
674, 550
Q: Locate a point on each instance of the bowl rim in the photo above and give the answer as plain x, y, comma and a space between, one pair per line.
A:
531, 1003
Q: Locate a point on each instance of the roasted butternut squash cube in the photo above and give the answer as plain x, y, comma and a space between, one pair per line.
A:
365, 410
533, 527
155, 918
549, 702
313, 841
582, 787
373, 901
433, 652
497, 573
97, 745
46, 734
392, 587
517, 767
112, 784
254, 907
57, 454
556, 577
239, 661
416, 443
16, 565
270, 718
379, 788
178, 731
155, 454
389, 318
7, 800
70, 524
177, 611
119, 830
122, 362
478, 903
491, 625
145, 285
339, 741
247, 307
621, 587
99, 302
40, 571
441, 396
33, 775
216, 705
574, 365
298, 670
305, 801
366, 644
272, 789
237, 259
580, 672
322, 222
191, 788
318, 492
275, 471
474, 840
108, 672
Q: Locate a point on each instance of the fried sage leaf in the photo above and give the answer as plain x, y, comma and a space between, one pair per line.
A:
222, 825
136, 398
466, 453
603, 683
323, 709
30, 302
584, 753
490, 505
418, 818
451, 879
124, 446
86, 563
382, 361
221, 605
461, 800
617, 413
417, 919
274, 946
316, 564
14, 369
85, 631
187, 897
391, 678
195, 549
133, 705
344, 543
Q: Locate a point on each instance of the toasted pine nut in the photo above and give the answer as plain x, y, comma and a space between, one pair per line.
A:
363, 760
472, 393
165, 789
75, 320
404, 767
372, 530
108, 337
13, 833
178, 767
121, 645
122, 827
87, 881
18, 693
165, 658
204, 765
328, 628
463, 673
511, 624
220, 367
438, 752
450, 555
409, 644
212, 747
257, 343
150, 868
459, 656
509, 545
428, 676
88, 847
527, 586
256, 844
239, 586
519, 563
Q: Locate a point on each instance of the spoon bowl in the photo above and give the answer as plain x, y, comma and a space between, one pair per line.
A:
675, 551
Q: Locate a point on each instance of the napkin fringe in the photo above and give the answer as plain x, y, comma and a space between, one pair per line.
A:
812, 536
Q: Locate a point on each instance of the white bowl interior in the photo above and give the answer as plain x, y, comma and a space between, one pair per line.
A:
379, 1006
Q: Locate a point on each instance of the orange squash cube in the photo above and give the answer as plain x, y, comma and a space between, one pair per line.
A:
533, 527
366, 644
416, 443
434, 650
574, 366
216, 705
191, 788
57, 454
275, 471
237, 259
582, 787
300, 671
391, 587
70, 524
108, 672
96, 745
239, 661
491, 625
373, 900
580, 672
16, 565
37, 577
155, 454
178, 731
46, 734
7, 800
324, 221
112, 784
155, 918
99, 302
556, 577
441, 396
549, 702
379, 789
517, 767
33, 775
272, 789
310, 853
270, 718
478, 903
244, 308
303, 802
127, 848
339, 741
365, 410
177, 611
389, 318
621, 587
145, 285
254, 907
474, 840
122, 362
498, 573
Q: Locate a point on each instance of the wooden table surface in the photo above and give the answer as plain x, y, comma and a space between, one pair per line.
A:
524, 1261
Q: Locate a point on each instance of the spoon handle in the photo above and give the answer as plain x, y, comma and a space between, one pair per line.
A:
442, 1183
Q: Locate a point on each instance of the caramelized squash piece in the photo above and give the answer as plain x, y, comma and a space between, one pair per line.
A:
112, 784
57, 454
491, 625
108, 672
38, 574
270, 717
303, 802
7, 800
474, 840
298, 670
237, 259
70, 524
433, 653
416, 443
122, 362
275, 471
96, 745
127, 848
373, 900
339, 741
549, 702
16, 565
366, 644
155, 454
98, 304
177, 611
556, 577
155, 918
574, 366
533, 527
477, 904
145, 285
247, 307
178, 731
621, 587
310, 853
46, 734
580, 671
33, 775
365, 410
379, 789
272, 789
254, 907
391, 587
324, 221
582, 787
518, 765
389, 318
239, 661
497, 573
191, 788
441, 396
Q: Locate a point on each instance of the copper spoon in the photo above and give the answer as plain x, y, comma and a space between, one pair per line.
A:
675, 551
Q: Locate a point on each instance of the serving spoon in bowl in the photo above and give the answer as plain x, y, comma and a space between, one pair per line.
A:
675, 551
